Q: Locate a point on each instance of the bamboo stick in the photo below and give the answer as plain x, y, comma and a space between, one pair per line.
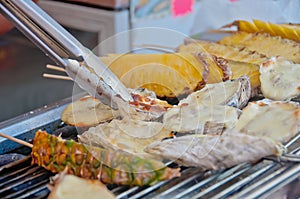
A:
57, 68
61, 77
16, 140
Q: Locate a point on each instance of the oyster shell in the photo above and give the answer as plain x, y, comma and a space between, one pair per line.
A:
280, 79
273, 119
193, 117
128, 135
87, 111
215, 151
234, 93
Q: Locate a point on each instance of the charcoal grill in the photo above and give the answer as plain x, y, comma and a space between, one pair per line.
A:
265, 178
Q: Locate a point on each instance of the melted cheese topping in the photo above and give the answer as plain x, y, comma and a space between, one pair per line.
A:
87, 111
280, 79
233, 92
72, 187
191, 117
128, 135
277, 120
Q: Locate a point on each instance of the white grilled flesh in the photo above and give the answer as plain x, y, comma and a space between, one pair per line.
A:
280, 79
234, 93
128, 135
73, 187
215, 151
193, 117
87, 111
144, 106
273, 119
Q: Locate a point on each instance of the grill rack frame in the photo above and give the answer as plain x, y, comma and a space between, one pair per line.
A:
256, 180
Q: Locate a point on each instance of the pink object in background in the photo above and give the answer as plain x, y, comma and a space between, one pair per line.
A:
182, 7
232, 1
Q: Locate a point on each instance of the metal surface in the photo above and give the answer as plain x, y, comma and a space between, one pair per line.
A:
266, 177
60, 45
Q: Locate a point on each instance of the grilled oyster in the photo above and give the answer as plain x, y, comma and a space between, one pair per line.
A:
144, 106
193, 117
280, 79
273, 119
215, 151
87, 111
73, 187
128, 135
234, 93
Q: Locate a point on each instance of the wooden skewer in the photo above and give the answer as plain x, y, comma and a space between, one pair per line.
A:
52, 67
16, 140
61, 77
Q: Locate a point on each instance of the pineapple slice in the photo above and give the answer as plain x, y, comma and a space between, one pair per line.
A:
251, 70
289, 31
265, 44
168, 75
241, 60
235, 53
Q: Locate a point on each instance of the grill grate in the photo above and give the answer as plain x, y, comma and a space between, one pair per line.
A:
20, 179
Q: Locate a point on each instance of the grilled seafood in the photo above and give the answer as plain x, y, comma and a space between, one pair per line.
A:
274, 119
192, 118
128, 135
87, 111
234, 93
142, 107
215, 151
265, 44
108, 166
280, 79
72, 187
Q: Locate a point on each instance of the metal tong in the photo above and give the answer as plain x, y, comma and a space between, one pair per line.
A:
65, 50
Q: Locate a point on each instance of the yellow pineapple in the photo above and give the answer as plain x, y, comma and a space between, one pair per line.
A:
235, 53
168, 75
265, 44
289, 31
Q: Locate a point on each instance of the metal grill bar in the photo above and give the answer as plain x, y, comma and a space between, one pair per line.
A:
23, 180
243, 182
283, 179
205, 182
282, 176
222, 182
197, 174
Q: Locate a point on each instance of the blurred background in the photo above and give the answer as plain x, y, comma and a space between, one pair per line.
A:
22, 64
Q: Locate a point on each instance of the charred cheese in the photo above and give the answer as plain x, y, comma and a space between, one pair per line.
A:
280, 79
273, 119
